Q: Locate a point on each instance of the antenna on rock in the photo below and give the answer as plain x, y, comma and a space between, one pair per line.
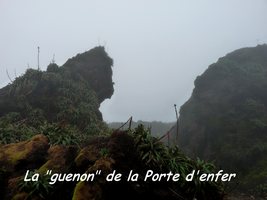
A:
38, 58
53, 59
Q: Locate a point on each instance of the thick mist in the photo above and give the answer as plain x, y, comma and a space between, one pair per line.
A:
158, 47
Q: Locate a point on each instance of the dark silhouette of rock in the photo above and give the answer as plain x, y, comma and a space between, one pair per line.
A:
70, 94
225, 119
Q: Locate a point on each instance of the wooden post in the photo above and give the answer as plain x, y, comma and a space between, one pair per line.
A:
168, 137
177, 124
130, 123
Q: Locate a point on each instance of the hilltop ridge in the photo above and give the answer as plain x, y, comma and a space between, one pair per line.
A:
225, 119
69, 94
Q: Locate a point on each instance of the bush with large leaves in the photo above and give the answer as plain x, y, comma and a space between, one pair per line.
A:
155, 155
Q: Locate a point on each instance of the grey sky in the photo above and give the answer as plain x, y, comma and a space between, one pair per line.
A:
158, 47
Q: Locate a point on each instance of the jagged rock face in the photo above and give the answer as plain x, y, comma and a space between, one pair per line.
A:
95, 67
71, 94
225, 119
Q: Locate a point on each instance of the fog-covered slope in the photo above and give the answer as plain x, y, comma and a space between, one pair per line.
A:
225, 119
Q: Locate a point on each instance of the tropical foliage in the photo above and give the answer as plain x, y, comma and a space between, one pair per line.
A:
40, 188
159, 157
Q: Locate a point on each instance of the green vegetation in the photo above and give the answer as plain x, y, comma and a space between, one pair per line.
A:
40, 188
158, 157
136, 149
104, 152
225, 120
62, 102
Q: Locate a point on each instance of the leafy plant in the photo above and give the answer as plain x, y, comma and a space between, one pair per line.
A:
14, 129
104, 152
179, 162
40, 188
157, 156
200, 188
261, 190
152, 152
60, 134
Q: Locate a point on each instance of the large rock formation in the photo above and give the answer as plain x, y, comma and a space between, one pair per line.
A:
225, 119
94, 66
70, 94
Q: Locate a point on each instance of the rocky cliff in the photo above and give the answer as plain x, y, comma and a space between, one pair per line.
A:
70, 94
225, 119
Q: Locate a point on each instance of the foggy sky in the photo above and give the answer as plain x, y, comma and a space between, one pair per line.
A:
158, 47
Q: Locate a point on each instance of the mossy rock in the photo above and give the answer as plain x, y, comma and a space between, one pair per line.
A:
25, 196
12, 187
86, 191
88, 155
20, 196
104, 164
25, 154
60, 159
